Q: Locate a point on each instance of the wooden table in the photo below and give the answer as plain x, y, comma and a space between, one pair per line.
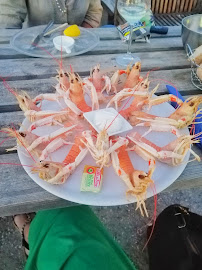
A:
19, 193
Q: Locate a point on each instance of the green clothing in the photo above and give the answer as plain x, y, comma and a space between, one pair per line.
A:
13, 13
73, 238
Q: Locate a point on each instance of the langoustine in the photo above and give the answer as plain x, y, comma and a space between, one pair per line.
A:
172, 153
132, 77
182, 117
77, 94
58, 173
137, 181
33, 143
73, 90
100, 148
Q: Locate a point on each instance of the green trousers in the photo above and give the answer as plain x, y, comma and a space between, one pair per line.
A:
73, 238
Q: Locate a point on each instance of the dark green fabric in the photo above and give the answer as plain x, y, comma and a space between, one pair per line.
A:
73, 238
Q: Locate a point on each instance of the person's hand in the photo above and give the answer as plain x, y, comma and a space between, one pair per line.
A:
86, 25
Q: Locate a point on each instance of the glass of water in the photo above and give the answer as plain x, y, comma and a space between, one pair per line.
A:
132, 11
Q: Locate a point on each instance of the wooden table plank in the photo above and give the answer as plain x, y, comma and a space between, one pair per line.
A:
20, 195
42, 68
14, 119
106, 46
179, 77
103, 33
34, 75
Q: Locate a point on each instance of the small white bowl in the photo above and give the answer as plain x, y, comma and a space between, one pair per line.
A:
107, 118
63, 43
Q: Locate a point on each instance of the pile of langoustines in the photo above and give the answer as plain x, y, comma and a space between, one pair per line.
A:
76, 96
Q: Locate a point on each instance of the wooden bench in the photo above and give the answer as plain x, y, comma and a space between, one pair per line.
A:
171, 12
166, 12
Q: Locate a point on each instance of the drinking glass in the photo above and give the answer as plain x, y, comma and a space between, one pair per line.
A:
132, 11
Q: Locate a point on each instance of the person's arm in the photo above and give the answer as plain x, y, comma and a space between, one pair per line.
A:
12, 13
93, 15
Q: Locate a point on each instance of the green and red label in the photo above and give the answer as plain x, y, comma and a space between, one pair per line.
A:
91, 179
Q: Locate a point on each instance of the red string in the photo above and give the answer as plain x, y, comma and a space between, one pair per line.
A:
58, 62
154, 215
157, 68
4, 131
123, 106
7, 86
192, 130
192, 127
4, 140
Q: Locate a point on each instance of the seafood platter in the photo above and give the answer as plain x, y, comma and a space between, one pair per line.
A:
105, 140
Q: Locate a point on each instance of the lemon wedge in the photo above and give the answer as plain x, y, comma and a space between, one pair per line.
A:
72, 31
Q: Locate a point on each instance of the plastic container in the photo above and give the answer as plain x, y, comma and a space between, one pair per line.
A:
63, 43
109, 119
